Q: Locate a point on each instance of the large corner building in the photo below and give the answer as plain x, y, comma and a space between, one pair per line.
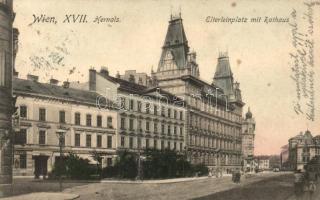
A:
214, 110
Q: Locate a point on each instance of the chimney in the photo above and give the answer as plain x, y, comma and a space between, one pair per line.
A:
66, 84
31, 77
104, 71
118, 74
54, 81
92, 79
132, 78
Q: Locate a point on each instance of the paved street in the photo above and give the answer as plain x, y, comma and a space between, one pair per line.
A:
29, 185
264, 186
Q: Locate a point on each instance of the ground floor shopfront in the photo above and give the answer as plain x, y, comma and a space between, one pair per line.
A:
41, 161
223, 162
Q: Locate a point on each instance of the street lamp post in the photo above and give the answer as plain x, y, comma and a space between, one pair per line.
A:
60, 133
139, 165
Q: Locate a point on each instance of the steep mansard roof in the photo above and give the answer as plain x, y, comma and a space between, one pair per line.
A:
176, 42
223, 76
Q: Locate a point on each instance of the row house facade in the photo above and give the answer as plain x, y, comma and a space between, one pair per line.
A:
147, 117
45, 109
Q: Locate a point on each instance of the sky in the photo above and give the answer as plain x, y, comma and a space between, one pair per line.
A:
259, 53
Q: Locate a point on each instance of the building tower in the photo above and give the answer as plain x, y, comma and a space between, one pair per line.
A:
7, 102
175, 59
248, 129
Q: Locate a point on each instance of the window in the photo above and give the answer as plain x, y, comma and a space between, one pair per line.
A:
42, 114
88, 120
147, 143
109, 141
140, 125
175, 130
23, 161
168, 145
155, 110
77, 140
139, 106
23, 111
109, 122
162, 128
175, 114
169, 130
131, 142
131, 104
139, 143
109, 161
147, 126
181, 115
181, 146
21, 137
155, 144
162, 111
62, 116
131, 124
99, 140
88, 140
99, 121
169, 112
42, 137
175, 145
77, 119
147, 108
155, 127
122, 141
162, 144
181, 130
122, 125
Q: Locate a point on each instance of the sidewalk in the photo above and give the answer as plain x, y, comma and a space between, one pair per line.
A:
306, 196
44, 196
172, 180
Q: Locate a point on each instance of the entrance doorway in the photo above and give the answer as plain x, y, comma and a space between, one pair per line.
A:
40, 166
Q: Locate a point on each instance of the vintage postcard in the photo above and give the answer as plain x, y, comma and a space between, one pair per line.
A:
150, 99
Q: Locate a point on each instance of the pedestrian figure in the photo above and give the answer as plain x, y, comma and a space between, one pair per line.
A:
312, 188
298, 183
238, 176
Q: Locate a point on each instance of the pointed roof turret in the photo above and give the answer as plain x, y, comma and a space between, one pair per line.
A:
223, 76
175, 48
249, 114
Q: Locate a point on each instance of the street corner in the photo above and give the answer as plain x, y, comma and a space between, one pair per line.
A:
44, 196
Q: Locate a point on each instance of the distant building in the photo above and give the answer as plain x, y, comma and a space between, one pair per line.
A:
138, 78
284, 157
264, 164
302, 148
46, 108
248, 128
